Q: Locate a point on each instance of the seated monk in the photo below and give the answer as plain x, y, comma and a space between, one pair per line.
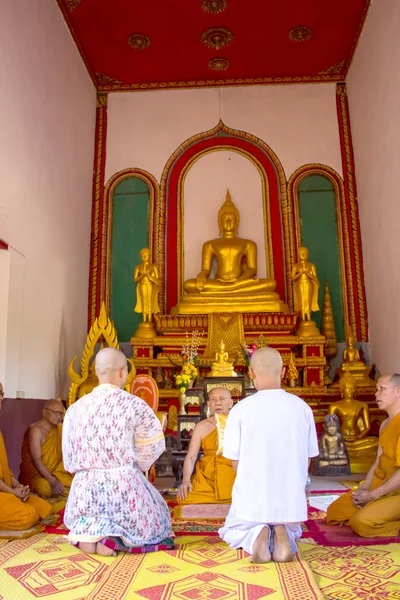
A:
214, 477
42, 467
373, 510
19, 509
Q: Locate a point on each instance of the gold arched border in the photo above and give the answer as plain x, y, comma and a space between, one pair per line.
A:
186, 146
269, 254
343, 233
108, 195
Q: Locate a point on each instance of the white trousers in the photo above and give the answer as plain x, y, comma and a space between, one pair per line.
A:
242, 534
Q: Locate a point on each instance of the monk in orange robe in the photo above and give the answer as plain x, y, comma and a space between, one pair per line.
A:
373, 510
214, 477
42, 465
19, 510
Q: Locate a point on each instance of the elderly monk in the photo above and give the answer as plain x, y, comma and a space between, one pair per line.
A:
19, 510
110, 438
214, 477
270, 438
42, 466
373, 510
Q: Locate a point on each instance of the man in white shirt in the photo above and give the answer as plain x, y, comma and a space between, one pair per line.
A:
270, 438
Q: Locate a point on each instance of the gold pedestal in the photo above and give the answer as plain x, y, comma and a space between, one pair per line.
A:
361, 461
307, 329
360, 374
146, 331
218, 370
199, 304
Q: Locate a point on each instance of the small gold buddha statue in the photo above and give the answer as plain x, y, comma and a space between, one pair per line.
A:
222, 367
355, 421
234, 287
333, 457
148, 287
353, 364
305, 291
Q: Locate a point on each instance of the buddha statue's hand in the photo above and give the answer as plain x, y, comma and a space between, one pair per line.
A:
201, 280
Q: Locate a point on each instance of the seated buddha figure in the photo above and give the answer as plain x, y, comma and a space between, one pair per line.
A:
221, 367
355, 423
353, 364
234, 287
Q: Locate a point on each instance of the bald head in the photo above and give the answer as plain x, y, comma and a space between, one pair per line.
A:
53, 412
220, 401
266, 365
111, 366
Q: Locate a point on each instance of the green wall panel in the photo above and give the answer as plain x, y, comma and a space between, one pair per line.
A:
130, 225
319, 233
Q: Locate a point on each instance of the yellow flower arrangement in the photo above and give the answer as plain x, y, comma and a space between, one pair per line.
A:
189, 356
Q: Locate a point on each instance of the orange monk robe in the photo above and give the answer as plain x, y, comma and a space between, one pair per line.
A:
15, 514
214, 477
378, 518
51, 458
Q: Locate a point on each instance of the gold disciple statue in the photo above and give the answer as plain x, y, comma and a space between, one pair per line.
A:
147, 290
222, 367
305, 291
355, 421
234, 287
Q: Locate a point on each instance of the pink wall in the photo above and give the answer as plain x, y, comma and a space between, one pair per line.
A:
47, 123
299, 123
374, 98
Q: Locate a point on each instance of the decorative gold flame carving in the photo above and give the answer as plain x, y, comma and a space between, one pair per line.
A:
104, 329
219, 64
214, 6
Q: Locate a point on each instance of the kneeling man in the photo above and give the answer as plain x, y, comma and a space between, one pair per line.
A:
270, 437
373, 510
19, 510
42, 467
110, 438
214, 477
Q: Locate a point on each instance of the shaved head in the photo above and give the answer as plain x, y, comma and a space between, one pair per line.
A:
53, 412
395, 379
54, 405
111, 367
266, 364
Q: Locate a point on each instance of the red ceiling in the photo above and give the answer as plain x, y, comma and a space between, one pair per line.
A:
260, 52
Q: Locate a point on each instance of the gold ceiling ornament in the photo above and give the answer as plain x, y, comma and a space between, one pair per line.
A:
139, 41
218, 64
334, 69
300, 34
73, 4
106, 79
216, 37
214, 6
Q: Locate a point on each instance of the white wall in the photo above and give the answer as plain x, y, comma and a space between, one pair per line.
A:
47, 123
298, 122
374, 98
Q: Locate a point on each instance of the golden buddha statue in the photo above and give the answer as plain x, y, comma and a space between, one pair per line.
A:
352, 363
333, 457
222, 367
147, 290
91, 382
234, 288
305, 291
355, 422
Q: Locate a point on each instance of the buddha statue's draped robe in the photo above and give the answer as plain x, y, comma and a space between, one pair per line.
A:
14, 513
214, 476
381, 517
51, 458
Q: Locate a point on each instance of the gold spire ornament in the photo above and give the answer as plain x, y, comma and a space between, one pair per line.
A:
329, 331
292, 373
102, 329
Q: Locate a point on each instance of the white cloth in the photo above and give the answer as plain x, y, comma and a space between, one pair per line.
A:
109, 438
272, 434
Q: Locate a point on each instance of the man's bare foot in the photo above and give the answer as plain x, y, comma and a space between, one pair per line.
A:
282, 550
261, 553
104, 551
88, 547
